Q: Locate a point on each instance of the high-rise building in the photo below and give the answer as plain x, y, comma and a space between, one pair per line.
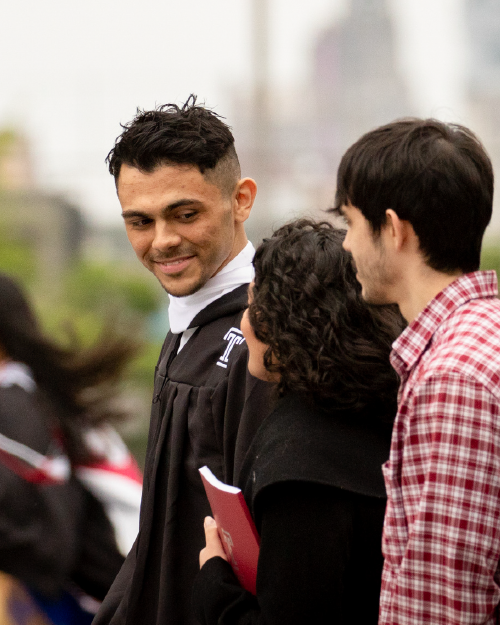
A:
483, 20
52, 228
355, 81
353, 86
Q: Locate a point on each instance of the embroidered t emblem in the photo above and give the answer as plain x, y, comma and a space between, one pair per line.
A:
234, 337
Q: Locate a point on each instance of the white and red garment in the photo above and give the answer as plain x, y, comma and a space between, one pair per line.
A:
114, 479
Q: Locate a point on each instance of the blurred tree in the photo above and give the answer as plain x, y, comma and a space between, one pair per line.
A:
43, 241
490, 256
8, 136
17, 257
94, 299
92, 285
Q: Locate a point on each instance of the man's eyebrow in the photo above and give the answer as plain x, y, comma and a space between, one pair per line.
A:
133, 213
184, 202
170, 207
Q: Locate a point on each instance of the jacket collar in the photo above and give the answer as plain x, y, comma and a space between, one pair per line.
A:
182, 310
410, 345
229, 304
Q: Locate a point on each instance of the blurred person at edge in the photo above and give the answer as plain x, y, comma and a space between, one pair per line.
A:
417, 197
184, 204
312, 477
69, 489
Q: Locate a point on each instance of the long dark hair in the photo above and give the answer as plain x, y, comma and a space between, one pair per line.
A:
80, 384
323, 339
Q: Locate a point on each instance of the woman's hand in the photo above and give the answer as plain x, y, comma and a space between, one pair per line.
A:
213, 544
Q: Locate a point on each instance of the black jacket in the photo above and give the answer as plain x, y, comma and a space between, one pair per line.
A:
313, 482
206, 410
50, 534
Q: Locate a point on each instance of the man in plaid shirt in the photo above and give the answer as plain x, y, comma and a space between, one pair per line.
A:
417, 197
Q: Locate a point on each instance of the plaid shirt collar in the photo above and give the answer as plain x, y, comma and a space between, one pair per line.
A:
409, 346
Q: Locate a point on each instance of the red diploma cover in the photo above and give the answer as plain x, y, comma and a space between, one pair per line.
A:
236, 528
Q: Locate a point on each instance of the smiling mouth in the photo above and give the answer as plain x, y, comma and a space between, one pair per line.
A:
174, 265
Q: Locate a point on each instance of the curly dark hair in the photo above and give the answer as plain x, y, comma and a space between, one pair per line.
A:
323, 339
190, 135
79, 385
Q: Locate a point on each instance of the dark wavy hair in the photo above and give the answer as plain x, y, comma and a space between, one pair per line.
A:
79, 385
323, 340
186, 135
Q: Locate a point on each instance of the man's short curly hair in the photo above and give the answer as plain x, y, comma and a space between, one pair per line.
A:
323, 339
187, 135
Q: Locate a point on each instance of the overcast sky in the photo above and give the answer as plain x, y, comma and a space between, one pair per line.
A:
71, 71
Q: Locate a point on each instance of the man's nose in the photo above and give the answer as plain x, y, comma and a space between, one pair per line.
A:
165, 237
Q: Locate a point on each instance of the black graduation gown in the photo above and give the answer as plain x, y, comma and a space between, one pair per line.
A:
50, 534
206, 410
313, 482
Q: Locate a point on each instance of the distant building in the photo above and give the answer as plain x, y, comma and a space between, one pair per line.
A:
51, 227
354, 86
483, 20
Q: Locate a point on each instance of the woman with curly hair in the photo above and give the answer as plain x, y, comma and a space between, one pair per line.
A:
312, 477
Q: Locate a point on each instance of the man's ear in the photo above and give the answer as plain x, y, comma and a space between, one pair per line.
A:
246, 190
400, 232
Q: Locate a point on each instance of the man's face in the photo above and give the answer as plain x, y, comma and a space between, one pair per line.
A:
181, 227
373, 266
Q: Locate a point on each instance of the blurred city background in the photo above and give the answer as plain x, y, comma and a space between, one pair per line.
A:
298, 82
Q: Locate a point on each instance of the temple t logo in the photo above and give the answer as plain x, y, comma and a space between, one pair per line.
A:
234, 337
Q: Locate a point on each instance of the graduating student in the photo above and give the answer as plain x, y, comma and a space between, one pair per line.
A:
184, 204
312, 477
64, 530
417, 197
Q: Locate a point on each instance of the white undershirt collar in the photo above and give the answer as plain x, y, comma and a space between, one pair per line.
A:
182, 310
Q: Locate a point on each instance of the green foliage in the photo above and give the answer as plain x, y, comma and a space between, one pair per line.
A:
98, 299
137, 443
87, 300
94, 299
490, 256
142, 370
100, 286
7, 138
17, 257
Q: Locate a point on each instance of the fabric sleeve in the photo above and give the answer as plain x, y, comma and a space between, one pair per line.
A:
114, 607
50, 533
99, 559
247, 402
442, 556
38, 523
306, 539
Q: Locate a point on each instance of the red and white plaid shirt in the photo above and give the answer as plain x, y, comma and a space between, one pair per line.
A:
441, 538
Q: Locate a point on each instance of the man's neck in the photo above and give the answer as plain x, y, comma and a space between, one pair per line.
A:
422, 286
239, 244
182, 310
